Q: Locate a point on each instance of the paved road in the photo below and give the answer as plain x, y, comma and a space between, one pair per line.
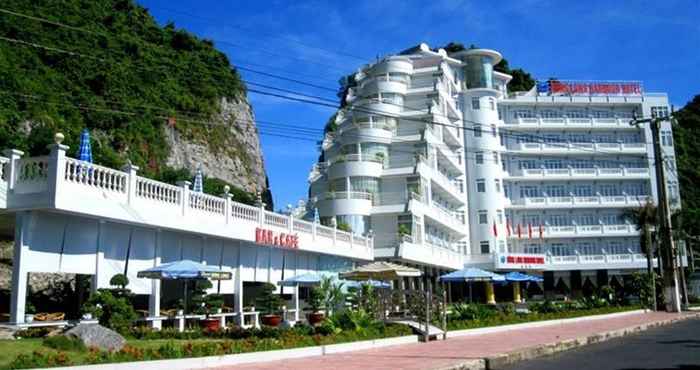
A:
672, 347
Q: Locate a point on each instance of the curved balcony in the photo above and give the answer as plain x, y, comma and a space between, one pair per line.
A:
392, 64
344, 203
356, 165
377, 106
366, 129
384, 84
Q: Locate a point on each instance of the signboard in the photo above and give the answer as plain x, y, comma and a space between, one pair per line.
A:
572, 88
525, 262
271, 238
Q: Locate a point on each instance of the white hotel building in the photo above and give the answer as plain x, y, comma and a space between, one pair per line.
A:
446, 168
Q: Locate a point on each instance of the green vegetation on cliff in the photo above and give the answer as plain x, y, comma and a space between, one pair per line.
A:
127, 78
687, 136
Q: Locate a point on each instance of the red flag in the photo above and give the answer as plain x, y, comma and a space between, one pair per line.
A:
495, 229
529, 231
541, 232
508, 231
520, 232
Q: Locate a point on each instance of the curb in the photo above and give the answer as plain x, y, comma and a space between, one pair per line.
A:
498, 361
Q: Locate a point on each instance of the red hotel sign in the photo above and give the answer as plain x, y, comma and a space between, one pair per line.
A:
269, 237
529, 260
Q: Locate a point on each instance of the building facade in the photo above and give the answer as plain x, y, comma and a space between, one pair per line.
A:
541, 180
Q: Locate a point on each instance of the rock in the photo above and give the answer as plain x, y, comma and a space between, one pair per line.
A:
241, 162
96, 335
6, 333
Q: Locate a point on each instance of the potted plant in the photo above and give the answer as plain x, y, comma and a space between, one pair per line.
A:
207, 304
29, 311
316, 303
270, 304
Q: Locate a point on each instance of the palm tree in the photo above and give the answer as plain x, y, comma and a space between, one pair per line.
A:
645, 218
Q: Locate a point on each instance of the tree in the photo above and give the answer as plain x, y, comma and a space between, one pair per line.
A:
332, 293
522, 80
645, 218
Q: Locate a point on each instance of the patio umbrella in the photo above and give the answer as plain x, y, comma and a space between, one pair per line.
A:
317, 218
470, 275
373, 283
307, 279
85, 150
198, 185
382, 271
184, 270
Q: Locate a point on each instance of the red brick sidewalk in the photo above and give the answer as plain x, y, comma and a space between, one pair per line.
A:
442, 354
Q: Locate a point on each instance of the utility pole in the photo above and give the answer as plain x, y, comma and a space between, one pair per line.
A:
667, 247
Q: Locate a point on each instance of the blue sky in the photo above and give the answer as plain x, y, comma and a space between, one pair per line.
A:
657, 42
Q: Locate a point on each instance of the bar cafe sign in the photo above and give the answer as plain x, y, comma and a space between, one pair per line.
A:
271, 238
573, 88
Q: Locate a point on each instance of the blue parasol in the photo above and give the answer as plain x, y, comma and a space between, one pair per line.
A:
198, 186
85, 150
317, 218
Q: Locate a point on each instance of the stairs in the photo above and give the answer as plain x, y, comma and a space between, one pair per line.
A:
434, 333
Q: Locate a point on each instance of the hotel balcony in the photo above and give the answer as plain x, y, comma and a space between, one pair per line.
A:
366, 128
453, 188
355, 165
578, 148
385, 84
565, 123
410, 250
540, 174
578, 231
377, 106
66, 185
343, 203
595, 201
452, 220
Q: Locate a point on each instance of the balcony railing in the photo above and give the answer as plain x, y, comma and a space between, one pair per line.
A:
566, 231
581, 146
358, 158
595, 200
581, 172
570, 122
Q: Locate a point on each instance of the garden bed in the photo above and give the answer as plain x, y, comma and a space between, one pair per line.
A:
33, 353
484, 319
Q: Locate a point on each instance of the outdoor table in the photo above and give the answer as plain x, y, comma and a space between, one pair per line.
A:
182, 318
222, 317
254, 314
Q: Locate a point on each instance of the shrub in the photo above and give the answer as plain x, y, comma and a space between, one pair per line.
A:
114, 312
40, 359
33, 332
473, 311
269, 301
64, 343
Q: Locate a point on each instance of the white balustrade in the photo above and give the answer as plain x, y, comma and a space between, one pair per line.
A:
276, 219
157, 191
244, 212
207, 203
34, 169
96, 176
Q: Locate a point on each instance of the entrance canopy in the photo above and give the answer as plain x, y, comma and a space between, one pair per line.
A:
381, 271
471, 274
185, 269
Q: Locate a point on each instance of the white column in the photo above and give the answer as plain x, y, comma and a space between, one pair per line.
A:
184, 202
19, 272
296, 303
227, 203
154, 298
12, 166
57, 168
238, 290
98, 278
131, 170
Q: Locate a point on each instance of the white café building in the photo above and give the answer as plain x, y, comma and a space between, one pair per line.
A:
71, 217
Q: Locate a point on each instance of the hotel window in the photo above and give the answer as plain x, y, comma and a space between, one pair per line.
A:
477, 130
494, 133
499, 216
533, 248
555, 190
500, 114
586, 248
492, 104
485, 247
527, 164
666, 138
495, 157
501, 246
483, 217
616, 247
498, 185
529, 191
602, 114
612, 219
553, 164
475, 103
559, 220
480, 185
659, 112
608, 190
586, 219
479, 157
576, 114
550, 114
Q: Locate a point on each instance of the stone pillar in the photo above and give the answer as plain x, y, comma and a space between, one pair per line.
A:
97, 279
296, 304
18, 295
238, 292
154, 298
516, 292
131, 171
57, 168
12, 166
490, 295
185, 201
